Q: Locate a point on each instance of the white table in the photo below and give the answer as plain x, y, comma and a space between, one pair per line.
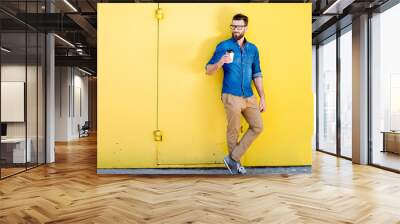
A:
19, 155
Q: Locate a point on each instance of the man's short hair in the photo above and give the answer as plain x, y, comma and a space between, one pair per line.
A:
241, 17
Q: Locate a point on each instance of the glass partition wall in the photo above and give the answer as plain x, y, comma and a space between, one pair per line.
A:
345, 62
22, 77
334, 93
334, 99
327, 95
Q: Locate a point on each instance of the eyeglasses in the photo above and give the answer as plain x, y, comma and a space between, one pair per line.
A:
239, 27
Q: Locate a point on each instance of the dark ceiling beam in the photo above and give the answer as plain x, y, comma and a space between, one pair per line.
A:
321, 23
82, 61
381, 7
86, 51
16, 18
338, 6
332, 29
329, 14
91, 5
49, 22
84, 24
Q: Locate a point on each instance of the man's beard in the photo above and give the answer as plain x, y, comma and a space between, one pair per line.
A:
237, 37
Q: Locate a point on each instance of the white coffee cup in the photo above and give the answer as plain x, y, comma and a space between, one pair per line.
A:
231, 55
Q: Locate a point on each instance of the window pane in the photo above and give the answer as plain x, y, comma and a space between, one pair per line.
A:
41, 98
31, 100
386, 88
327, 96
346, 93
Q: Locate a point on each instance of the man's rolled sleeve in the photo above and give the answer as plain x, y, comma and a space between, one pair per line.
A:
256, 70
218, 53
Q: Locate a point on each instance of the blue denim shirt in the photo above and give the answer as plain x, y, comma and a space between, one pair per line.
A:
244, 68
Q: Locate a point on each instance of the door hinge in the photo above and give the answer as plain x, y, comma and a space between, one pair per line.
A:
159, 14
157, 135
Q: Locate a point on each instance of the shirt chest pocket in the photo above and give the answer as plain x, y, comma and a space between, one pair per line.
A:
248, 59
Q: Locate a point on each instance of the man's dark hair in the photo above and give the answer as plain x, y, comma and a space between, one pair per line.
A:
241, 17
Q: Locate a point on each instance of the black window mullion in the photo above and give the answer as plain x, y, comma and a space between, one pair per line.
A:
338, 81
37, 89
317, 96
26, 86
369, 90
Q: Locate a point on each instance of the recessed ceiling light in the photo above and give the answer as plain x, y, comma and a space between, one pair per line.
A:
64, 40
84, 71
338, 6
70, 5
5, 50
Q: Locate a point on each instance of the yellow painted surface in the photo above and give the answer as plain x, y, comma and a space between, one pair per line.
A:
127, 77
283, 34
191, 114
191, 111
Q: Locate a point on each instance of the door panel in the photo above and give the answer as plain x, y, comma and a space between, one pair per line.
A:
127, 78
191, 113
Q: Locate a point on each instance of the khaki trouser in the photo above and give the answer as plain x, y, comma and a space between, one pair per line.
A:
234, 107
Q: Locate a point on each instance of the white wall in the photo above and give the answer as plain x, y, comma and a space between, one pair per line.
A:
62, 81
71, 87
81, 84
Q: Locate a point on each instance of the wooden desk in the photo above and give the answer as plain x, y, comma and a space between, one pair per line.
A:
391, 141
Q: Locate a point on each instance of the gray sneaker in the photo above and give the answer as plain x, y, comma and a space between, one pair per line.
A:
231, 164
241, 169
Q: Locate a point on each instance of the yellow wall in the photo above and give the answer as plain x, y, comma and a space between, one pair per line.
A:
184, 103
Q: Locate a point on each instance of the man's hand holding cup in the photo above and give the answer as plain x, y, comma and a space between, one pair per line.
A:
226, 58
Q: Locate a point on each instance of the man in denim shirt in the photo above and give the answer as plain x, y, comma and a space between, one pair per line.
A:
237, 94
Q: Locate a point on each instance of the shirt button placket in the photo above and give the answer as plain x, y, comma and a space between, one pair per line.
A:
241, 61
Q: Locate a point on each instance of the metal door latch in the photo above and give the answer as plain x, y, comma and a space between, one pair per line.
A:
159, 14
157, 135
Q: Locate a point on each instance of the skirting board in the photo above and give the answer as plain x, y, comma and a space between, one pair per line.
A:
207, 171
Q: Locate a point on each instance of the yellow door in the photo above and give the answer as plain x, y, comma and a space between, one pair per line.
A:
191, 114
127, 84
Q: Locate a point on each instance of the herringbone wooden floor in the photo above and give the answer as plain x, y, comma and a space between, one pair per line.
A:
70, 191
